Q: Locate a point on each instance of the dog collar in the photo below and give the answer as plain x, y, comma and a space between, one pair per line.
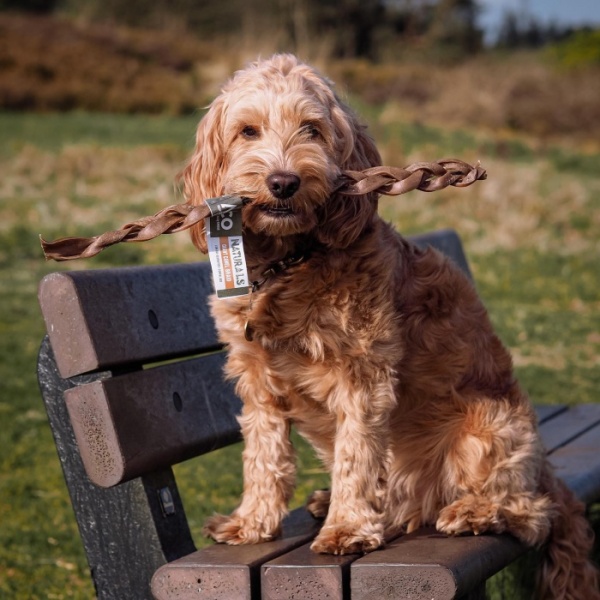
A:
272, 270
278, 267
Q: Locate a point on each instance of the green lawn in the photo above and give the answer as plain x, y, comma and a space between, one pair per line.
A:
531, 232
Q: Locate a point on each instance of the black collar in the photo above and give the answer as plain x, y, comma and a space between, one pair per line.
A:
280, 266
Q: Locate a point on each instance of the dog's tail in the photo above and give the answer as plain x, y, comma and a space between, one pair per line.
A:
566, 572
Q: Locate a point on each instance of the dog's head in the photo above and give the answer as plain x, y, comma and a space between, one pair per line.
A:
279, 136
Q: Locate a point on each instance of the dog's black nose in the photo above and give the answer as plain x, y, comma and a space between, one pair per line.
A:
283, 185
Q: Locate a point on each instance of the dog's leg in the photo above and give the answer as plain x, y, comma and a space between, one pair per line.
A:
492, 472
318, 503
269, 473
526, 515
354, 520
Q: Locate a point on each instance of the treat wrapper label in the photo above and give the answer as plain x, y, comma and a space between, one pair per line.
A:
223, 204
226, 252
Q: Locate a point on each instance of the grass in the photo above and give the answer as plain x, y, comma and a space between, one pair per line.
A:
531, 232
56, 131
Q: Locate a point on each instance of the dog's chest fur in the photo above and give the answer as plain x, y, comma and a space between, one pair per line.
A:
340, 317
318, 322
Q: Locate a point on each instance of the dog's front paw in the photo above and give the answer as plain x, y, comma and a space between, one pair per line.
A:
344, 539
235, 530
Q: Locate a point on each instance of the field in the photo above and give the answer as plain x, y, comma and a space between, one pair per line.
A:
531, 231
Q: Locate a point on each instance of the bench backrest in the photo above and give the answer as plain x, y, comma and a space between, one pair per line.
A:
134, 419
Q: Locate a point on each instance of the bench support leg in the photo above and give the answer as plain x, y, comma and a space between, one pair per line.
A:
127, 531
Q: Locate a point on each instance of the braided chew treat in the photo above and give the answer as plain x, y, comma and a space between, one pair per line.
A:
392, 181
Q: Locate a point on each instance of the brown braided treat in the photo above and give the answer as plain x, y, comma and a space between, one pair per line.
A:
424, 176
392, 181
171, 219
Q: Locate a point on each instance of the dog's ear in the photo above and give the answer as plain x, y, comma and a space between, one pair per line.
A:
202, 175
355, 147
343, 218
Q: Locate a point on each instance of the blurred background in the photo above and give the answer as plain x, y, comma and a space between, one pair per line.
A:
99, 101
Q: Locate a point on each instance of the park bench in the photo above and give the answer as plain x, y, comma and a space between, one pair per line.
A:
130, 374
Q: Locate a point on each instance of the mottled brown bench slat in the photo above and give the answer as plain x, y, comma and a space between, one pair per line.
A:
149, 419
109, 318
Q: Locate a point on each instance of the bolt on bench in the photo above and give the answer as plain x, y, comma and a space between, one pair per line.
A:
120, 422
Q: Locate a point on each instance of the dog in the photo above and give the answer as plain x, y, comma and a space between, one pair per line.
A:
380, 354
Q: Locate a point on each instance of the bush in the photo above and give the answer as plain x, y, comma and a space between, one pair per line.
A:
518, 92
580, 50
103, 68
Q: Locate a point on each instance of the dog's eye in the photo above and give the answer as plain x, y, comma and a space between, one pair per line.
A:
250, 132
311, 130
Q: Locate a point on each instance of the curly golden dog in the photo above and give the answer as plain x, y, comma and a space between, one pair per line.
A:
380, 354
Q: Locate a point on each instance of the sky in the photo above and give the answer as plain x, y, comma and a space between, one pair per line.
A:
563, 12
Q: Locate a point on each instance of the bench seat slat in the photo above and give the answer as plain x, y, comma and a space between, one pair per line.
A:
145, 420
304, 574
546, 412
568, 425
425, 564
109, 317
578, 464
221, 572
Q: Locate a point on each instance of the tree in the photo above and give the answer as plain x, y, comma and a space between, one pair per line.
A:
454, 26
38, 6
348, 28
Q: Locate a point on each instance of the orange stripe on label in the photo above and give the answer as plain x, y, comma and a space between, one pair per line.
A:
227, 262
